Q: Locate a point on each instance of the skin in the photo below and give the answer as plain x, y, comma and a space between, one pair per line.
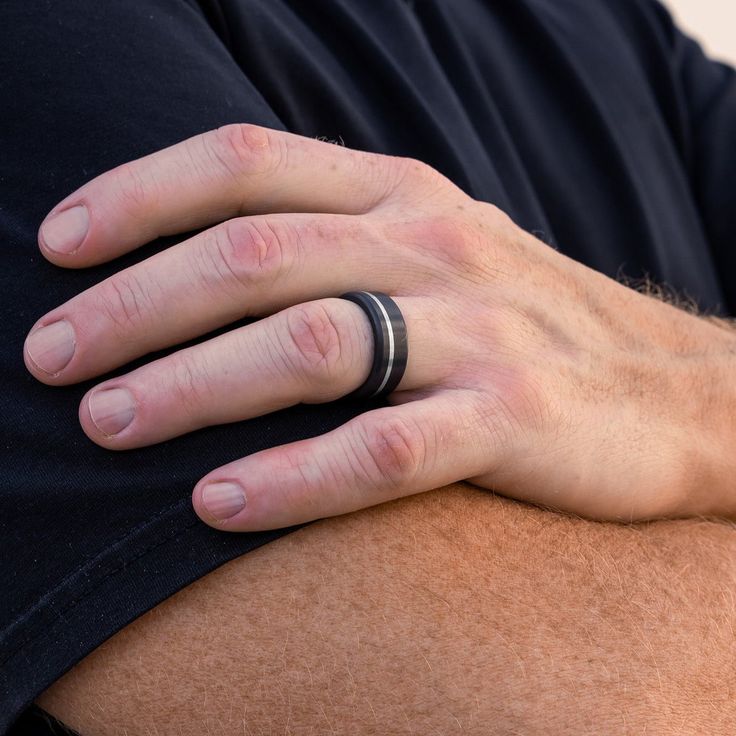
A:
449, 612
528, 373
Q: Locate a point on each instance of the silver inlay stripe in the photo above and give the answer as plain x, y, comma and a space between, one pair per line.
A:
390, 366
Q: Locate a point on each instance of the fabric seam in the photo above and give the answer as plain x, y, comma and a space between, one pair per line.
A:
86, 562
74, 602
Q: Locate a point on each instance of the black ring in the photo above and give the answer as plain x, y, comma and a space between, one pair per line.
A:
389, 338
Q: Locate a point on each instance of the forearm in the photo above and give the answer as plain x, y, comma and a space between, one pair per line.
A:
453, 612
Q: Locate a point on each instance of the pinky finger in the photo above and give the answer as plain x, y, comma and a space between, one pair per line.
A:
378, 456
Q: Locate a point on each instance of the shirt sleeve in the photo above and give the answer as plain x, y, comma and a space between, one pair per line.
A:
707, 104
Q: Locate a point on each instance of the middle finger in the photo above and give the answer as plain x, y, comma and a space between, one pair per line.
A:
250, 266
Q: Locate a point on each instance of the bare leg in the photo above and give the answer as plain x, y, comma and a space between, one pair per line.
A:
450, 612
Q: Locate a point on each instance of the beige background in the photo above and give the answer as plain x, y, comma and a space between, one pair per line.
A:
712, 22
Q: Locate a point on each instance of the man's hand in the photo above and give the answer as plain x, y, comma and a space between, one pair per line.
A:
528, 372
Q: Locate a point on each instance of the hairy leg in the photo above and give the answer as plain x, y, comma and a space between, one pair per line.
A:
449, 612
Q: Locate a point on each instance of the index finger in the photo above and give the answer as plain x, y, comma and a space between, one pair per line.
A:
234, 170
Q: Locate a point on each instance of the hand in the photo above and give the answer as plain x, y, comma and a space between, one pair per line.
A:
528, 372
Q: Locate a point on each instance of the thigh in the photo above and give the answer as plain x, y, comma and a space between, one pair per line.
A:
450, 612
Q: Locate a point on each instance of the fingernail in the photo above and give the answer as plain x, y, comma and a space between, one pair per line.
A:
223, 500
111, 409
52, 347
65, 232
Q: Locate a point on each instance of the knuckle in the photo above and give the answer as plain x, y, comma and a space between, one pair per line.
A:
128, 304
420, 176
250, 252
317, 344
521, 402
452, 239
396, 449
243, 147
134, 193
493, 215
190, 386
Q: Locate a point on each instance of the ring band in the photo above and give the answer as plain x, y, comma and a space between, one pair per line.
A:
390, 341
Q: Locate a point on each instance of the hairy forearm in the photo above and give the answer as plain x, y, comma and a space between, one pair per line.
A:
450, 612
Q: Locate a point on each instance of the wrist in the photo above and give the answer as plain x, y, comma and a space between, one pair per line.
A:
709, 436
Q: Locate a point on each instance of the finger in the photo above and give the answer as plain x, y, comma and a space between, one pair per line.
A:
234, 170
379, 456
247, 267
311, 353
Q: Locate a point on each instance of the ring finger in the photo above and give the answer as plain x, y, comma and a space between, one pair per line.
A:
314, 352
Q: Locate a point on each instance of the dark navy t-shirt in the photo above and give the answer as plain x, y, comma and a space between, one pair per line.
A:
594, 123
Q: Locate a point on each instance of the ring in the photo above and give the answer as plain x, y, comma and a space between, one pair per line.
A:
390, 341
